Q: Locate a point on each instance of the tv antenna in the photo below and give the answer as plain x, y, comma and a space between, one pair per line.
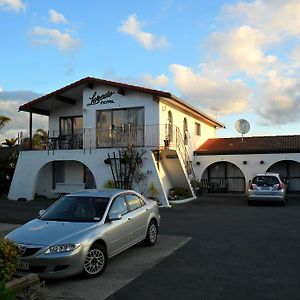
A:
242, 126
215, 109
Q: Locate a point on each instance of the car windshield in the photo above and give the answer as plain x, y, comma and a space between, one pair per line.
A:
77, 209
265, 180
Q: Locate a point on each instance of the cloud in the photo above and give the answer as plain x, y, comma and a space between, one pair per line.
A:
47, 36
56, 17
280, 100
274, 17
12, 5
251, 63
229, 96
240, 49
148, 40
9, 103
158, 81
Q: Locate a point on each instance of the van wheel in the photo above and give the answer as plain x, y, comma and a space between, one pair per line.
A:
152, 233
95, 261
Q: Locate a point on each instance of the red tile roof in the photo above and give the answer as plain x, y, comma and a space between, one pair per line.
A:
251, 145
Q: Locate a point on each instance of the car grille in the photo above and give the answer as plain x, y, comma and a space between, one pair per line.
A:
28, 251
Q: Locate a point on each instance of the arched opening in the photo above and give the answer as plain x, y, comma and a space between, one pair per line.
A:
224, 177
63, 176
185, 132
290, 171
170, 126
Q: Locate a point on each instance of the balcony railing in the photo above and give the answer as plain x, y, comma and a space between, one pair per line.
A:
93, 138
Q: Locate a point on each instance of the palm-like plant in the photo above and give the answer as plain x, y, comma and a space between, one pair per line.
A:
3, 121
10, 142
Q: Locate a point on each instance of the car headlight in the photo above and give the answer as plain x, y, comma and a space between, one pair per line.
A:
62, 248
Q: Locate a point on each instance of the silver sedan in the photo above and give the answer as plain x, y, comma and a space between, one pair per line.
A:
80, 231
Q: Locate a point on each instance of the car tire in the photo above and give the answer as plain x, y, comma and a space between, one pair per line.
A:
283, 203
95, 261
152, 234
250, 202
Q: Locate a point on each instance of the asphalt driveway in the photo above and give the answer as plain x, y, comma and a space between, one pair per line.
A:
236, 251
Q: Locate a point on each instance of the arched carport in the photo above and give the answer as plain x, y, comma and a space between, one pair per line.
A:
290, 171
224, 176
63, 176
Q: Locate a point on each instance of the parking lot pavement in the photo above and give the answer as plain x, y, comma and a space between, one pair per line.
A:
216, 247
120, 271
5, 228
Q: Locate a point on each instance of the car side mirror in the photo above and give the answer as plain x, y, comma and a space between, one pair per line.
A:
41, 212
114, 217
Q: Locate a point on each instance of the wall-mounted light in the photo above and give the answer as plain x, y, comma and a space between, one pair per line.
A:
244, 162
198, 163
107, 161
261, 162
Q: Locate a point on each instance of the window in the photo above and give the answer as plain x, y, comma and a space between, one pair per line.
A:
71, 132
119, 206
70, 125
120, 127
198, 129
134, 201
170, 126
185, 132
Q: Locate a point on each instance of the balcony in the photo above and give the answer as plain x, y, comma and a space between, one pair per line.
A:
93, 138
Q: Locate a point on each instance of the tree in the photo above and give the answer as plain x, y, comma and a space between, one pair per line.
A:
3, 121
8, 159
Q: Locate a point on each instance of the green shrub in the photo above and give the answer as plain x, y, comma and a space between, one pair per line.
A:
109, 184
5, 293
178, 193
9, 257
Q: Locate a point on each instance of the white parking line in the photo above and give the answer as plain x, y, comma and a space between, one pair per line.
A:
121, 270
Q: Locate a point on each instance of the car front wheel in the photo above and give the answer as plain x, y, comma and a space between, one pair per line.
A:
95, 261
152, 233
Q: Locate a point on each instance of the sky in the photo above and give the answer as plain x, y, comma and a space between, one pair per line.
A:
231, 59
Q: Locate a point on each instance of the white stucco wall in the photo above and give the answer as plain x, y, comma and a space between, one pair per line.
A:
207, 131
130, 99
31, 164
252, 167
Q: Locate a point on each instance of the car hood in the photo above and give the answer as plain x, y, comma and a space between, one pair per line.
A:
45, 233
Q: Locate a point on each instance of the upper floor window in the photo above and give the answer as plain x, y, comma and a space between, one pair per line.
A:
71, 125
170, 126
198, 129
185, 132
120, 127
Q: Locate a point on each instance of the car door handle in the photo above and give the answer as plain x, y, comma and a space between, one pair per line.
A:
129, 220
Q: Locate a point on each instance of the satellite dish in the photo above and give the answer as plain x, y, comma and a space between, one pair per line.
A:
242, 126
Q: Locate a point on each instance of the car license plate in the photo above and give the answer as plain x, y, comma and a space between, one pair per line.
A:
265, 188
22, 265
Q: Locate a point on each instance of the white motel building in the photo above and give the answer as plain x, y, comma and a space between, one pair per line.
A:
93, 122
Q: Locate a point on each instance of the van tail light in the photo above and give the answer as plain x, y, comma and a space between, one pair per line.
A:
250, 187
